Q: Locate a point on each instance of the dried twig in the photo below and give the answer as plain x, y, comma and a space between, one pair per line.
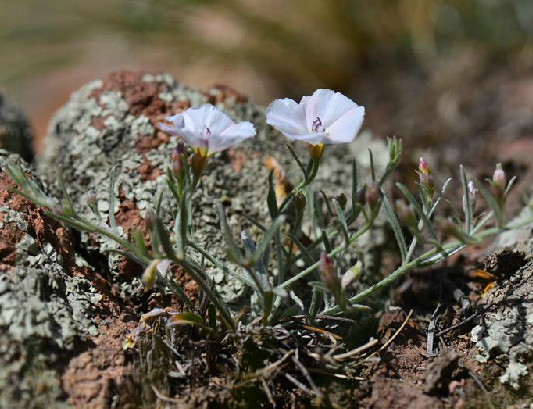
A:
386, 344
356, 351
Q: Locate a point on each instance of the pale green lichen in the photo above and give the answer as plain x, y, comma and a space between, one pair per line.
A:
44, 314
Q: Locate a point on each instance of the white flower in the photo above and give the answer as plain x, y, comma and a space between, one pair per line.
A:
207, 130
326, 117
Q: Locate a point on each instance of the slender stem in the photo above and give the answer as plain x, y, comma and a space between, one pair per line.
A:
302, 185
333, 252
405, 268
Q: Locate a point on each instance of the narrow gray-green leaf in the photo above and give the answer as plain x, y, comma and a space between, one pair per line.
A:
494, 206
269, 234
393, 221
467, 205
112, 180
419, 211
233, 249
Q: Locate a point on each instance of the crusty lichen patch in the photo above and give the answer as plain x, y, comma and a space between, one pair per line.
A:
505, 333
46, 306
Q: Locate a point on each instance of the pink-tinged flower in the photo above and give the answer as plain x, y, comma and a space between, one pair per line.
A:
207, 129
326, 117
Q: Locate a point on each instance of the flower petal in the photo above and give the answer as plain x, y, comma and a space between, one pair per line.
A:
231, 136
345, 128
312, 138
287, 116
326, 105
168, 129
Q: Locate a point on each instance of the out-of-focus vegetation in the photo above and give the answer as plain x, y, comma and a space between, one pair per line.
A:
294, 45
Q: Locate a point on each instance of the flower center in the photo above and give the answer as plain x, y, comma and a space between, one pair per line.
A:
317, 123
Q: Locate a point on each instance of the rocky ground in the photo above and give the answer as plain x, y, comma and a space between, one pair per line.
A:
71, 313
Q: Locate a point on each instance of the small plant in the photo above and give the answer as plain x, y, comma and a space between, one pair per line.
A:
274, 265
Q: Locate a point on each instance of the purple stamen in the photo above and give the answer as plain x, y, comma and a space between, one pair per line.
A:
317, 123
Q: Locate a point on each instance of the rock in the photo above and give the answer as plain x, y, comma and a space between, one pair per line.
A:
505, 332
15, 133
46, 304
114, 121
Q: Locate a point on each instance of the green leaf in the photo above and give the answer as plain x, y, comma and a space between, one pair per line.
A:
494, 206
112, 180
393, 221
419, 211
164, 238
188, 319
372, 168
139, 242
342, 220
233, 249
271, 197
67, 202
467, 206
269, 234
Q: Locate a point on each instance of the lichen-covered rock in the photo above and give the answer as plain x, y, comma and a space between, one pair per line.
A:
114, 121
505, 333
46, 304
15, 132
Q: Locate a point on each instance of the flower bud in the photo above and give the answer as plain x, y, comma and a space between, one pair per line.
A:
499, 177
360, 196
426, 179
198, 164
316, 151
327, 272
299, 201
149, 220
149, 275
472, 194
499, 182
342, 200
423, 167
372, 196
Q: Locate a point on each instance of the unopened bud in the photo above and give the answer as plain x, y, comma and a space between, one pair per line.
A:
149, 275
342, 200
316, 151
426, 179
499, 182
299, 201
423, 166
499, 177
372, 196
360, 196
149, 220
472, 194
199, 163
177, 167
327, 272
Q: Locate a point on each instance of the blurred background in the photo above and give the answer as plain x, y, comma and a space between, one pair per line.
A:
425, 69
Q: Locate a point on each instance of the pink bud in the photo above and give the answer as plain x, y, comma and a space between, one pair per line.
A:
327, 272
423, 166
372, 195
499, 177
